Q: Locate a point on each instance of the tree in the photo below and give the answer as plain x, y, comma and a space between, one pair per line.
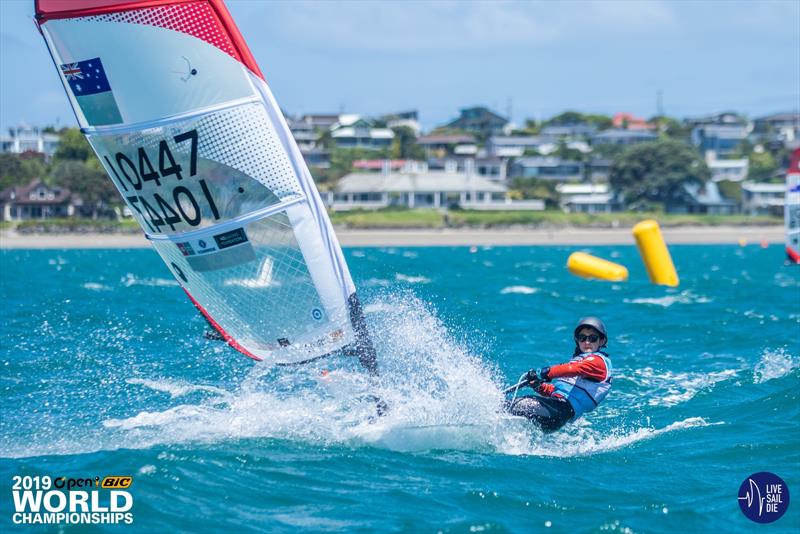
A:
601, 122
404, 145
761, 166
566, 153
535, 188
656, 171
20, 169
72, 145
88, 181
670, 127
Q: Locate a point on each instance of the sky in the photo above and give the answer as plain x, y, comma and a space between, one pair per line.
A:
526, 60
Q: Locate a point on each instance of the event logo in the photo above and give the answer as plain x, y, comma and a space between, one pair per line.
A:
763, 497
43, 500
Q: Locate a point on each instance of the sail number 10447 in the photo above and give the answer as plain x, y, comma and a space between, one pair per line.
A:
165, 207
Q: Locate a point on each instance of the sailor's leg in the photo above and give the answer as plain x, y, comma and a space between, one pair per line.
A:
364, 348
548, 413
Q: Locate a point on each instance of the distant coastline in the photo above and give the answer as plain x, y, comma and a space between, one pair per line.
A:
751, 235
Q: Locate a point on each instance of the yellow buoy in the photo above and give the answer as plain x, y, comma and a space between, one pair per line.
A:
655, 254
588, 266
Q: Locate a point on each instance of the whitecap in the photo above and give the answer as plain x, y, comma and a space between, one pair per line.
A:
93, 286
131, 279
684, 297
774, 364
412, 279
519, 290
175, 388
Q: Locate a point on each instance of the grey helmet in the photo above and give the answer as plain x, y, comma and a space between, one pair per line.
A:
592, 322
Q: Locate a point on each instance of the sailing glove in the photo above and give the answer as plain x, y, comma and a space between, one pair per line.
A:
537, 375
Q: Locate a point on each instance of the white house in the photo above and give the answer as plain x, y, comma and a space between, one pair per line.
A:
733, 170
424, 189
26, 138
763, 199
585, 198
351, 131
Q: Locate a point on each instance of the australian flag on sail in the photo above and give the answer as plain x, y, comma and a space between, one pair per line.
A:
91, 89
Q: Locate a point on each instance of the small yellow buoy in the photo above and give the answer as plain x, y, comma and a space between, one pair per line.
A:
588, 266
655, 254
742, 242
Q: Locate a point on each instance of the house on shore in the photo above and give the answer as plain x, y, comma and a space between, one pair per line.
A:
586, 198
763, 199
732, 170
24, 138
703, 199
36, 200
547, 168
431, 189
440, 146
352, 131
623, 137
480, 121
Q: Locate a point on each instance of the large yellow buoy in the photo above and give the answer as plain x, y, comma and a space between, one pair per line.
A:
655, 254
588, 266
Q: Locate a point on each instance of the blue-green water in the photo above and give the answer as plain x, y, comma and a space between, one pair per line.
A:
105, 372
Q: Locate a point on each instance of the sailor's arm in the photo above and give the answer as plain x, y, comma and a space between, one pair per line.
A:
591, 367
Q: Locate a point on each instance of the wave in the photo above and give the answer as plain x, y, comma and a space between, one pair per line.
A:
684, 297
131, 279
774, 364
587, 442
94, 286
519, 290
668, 388
412, 279
175, 388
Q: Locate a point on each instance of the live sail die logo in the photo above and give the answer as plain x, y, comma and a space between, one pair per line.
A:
94, 500
764, 497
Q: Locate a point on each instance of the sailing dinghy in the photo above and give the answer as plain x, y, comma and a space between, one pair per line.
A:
181, 117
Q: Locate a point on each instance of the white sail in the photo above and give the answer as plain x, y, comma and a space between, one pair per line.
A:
179, 114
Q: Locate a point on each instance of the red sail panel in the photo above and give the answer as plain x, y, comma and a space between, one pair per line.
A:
208, 20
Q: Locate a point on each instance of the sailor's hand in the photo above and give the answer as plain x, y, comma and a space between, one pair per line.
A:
532, 378
538, 375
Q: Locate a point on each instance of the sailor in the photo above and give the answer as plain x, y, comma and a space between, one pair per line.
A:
567, 391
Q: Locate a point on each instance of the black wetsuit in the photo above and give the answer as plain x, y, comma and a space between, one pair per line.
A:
550, 413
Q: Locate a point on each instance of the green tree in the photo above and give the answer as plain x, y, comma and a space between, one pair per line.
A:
535, 188
88, 181
670, 127
762, 166
566, 153
656, 171
72, 145
404, 145
567, 117
20, 169
601, 122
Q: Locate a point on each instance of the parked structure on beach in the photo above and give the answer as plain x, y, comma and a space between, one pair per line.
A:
37, 201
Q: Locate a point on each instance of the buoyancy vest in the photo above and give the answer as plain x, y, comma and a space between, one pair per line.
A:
582, 393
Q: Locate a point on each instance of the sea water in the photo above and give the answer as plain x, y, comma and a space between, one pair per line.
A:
105, 371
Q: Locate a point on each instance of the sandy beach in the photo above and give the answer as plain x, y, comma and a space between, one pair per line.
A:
446, 237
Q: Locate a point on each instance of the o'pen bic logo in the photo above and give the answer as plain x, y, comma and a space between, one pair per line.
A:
764, 497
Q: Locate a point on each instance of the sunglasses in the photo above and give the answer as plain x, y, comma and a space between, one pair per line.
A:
591, 338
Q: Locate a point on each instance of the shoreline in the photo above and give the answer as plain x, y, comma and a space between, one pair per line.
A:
684, 235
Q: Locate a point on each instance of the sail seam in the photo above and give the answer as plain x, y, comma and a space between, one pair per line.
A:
139, 126
236, 222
